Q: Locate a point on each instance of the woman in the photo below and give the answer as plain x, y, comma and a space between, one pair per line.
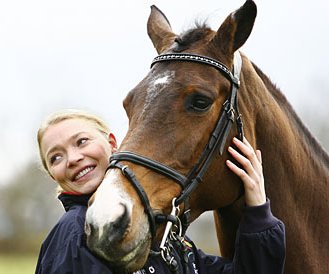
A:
74, 148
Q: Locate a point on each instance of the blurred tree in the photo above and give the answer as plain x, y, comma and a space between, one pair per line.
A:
29, 207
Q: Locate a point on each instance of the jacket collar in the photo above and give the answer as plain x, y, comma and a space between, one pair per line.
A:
69, 200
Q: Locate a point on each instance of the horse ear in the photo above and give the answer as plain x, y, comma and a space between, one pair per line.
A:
235, 30
159, 30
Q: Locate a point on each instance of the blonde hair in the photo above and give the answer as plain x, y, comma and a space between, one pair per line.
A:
67, 114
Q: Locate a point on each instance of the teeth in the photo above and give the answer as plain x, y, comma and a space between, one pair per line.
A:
83, 172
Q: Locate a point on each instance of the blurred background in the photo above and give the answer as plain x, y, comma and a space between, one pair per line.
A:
89, 54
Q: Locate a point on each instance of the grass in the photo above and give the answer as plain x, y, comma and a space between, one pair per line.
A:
17, 264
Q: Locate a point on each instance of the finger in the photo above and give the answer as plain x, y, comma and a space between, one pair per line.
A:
242, 146
259, 155
252, 180
243, 161
248, 151
245, 141
238, 171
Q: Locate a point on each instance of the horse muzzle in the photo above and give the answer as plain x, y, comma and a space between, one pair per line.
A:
123, 258
113, 234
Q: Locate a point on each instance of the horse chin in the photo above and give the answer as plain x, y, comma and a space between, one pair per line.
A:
133, 260
125, 256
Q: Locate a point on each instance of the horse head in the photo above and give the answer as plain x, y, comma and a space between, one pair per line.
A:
173, 113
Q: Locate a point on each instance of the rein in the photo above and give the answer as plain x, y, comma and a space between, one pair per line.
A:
217, 141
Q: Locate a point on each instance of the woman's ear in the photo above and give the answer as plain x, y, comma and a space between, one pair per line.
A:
113, 142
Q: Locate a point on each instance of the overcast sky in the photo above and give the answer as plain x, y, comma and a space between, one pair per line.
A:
89, 54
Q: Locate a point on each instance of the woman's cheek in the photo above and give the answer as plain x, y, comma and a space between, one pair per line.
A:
59, 173
105, 154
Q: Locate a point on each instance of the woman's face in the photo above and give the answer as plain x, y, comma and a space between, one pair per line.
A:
77, 154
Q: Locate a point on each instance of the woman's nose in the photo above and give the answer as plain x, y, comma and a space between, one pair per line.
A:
73, 157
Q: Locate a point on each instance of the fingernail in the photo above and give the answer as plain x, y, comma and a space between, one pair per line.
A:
228, 162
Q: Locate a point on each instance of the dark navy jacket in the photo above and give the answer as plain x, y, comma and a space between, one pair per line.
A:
260, 246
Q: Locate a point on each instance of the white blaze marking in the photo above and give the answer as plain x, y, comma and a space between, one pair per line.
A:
161, 80
157, 85
108, 203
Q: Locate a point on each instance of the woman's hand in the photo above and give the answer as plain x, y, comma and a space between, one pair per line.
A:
251, 172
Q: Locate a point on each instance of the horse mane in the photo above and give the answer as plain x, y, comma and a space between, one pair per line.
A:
286, 106
191, 36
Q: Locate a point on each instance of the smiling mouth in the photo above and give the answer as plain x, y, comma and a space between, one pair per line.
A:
83, 172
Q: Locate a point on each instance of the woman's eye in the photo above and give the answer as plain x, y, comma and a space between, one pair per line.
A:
54, 158
82, 141
199, 103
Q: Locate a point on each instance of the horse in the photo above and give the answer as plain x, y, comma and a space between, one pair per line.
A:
171, 161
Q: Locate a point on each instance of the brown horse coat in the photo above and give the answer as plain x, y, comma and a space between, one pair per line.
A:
172, 112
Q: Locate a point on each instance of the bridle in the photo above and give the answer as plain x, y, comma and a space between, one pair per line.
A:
217, 141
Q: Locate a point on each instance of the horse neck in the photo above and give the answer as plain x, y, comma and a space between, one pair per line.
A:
296, 171
286, 142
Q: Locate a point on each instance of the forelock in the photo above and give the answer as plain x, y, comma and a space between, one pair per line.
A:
192, 36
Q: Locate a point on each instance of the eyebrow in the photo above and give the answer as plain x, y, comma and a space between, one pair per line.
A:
54, 148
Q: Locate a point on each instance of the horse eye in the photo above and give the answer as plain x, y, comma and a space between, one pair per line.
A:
199, 103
